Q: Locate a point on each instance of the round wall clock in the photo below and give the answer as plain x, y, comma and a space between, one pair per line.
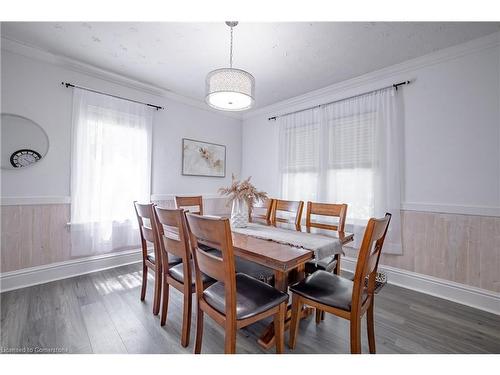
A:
24, 157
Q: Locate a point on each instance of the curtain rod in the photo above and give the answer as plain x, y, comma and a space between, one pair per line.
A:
157, 107
395, 85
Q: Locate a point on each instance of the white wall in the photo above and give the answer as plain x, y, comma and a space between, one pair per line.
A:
32, 88
452, 128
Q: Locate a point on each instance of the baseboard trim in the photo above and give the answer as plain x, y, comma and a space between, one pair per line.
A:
62, 270
464, 294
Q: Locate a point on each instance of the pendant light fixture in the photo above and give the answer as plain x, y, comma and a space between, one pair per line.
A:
230, 89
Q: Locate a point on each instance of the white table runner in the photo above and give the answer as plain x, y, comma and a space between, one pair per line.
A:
322, 246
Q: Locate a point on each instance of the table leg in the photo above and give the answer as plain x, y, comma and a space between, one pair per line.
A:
281, 281
266, 340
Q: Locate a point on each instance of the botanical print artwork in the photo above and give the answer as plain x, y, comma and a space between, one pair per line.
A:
203, 159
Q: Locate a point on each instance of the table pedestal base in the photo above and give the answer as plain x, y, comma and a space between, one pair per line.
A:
266, 340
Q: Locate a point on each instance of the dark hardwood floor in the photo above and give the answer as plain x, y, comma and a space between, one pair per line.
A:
102, 313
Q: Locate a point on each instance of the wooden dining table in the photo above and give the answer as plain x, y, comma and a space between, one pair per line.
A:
286, 261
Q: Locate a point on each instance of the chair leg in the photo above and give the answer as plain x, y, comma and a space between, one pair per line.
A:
157, 293
230, 338
279, 328
371, 329
294, 324
186, 318
144, 281
199, 331
164, 302
356, 336
318, 316
322, 314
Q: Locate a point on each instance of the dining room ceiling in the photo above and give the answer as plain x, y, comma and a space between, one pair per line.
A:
286, 59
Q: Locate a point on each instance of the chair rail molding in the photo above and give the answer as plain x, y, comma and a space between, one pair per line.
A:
452, 209
65, 199
167, 197
62, 270
407, 206
460, 293
35, 200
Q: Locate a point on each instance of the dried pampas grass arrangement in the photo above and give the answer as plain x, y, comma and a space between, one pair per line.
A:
243, 190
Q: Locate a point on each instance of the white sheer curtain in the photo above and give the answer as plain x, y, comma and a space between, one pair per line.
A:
347, 152
110, 168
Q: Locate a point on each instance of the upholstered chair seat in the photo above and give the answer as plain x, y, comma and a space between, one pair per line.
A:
177, 272
326, 264
252, 296
328, 289
172, 260
254, 270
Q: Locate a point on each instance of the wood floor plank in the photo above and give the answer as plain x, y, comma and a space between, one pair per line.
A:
70, 330
103, 335
14, 315
134, 335
39, 329
102, 313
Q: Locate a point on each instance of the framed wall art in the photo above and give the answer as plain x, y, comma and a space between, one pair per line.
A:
203, 158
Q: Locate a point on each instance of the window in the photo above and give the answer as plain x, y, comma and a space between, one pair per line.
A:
351, 140
345, 152
350, 164
111, 166
299, 174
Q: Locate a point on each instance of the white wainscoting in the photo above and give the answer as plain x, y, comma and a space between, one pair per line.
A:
56, 271
449, 290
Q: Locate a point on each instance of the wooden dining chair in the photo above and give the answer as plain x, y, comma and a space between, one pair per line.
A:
261, 211
348, 299
173, 242
151, 260
293, 210
235, 300
332, 262
192, 204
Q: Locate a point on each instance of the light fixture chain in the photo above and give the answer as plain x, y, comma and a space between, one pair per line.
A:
231, 50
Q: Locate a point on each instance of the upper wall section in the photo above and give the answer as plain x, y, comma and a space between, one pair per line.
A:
451, 128
32, 88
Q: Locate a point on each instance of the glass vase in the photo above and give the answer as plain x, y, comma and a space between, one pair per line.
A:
239, 213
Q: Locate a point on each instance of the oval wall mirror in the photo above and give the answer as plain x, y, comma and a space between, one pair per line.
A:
24, 142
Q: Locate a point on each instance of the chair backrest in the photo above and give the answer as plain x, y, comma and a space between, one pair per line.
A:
292, 208
192, 204
368, 258
262, 211
147, 228
216, 233
173, 237
329, 210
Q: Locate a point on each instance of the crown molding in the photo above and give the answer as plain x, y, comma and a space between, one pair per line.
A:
337, 90
36, 53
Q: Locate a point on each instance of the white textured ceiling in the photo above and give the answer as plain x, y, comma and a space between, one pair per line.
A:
287, 59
